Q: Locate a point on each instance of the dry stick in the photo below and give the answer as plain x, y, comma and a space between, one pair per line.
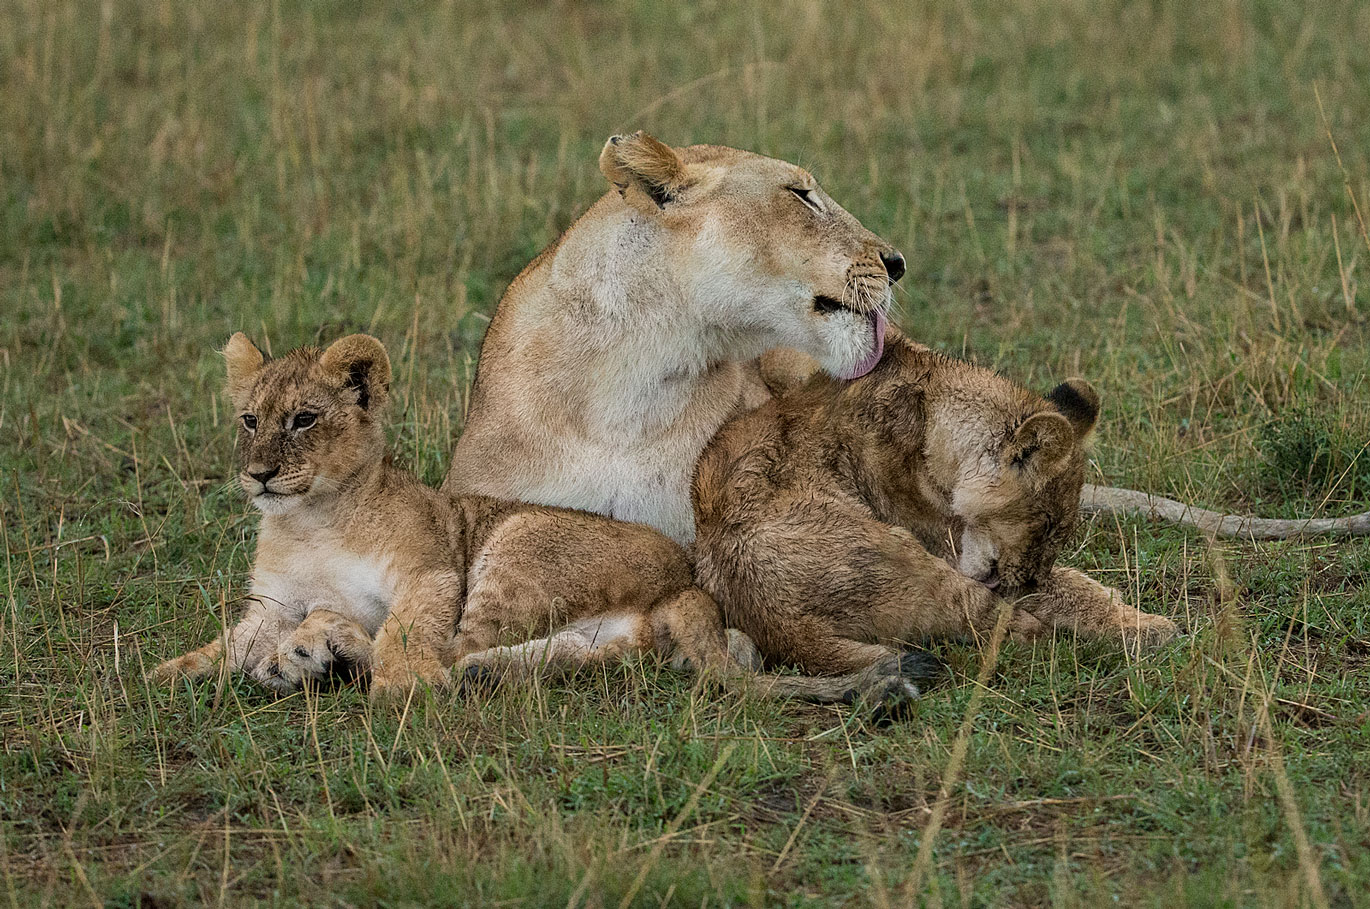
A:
952, 773
1112, 500
674, 825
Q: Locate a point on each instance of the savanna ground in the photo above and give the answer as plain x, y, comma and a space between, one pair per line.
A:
1141, 193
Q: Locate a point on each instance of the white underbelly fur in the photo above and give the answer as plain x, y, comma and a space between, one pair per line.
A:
354, 586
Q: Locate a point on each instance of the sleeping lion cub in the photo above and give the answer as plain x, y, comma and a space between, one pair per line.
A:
844, 520
358, 563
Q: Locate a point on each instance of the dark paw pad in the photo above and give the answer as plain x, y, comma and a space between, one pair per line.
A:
479, 680
895, 703
919, 665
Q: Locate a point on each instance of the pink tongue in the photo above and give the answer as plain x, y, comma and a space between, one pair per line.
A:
860, 369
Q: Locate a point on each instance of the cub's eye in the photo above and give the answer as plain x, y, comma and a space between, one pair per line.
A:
250, 422
304, 420
808, 197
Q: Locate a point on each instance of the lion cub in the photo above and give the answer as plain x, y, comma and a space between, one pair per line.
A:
359, 563
843, 520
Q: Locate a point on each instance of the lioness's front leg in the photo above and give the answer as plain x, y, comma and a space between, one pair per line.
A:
413, 645
1071, 599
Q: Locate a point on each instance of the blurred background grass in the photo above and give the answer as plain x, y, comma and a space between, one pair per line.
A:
1141, 193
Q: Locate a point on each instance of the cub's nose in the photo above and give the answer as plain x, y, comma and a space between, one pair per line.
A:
990, 578
894, 264
262, 474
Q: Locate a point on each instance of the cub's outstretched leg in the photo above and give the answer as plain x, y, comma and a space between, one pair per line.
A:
1073, 600
688, 627
323, 639
247, 645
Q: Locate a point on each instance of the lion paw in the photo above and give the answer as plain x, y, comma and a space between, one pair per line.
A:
1024, 626
1145, 631
397, 683
742, 651
301, 659
193, 665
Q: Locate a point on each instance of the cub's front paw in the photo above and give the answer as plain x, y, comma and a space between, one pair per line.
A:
390, 683
194, 665
268, 672
1145, 630
1024, 626
301, 659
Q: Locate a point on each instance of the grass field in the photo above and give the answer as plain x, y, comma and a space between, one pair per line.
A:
1145, 194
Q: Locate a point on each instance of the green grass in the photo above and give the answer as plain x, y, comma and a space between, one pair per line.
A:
1141, 193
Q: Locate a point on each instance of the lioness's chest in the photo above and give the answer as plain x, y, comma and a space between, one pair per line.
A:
302, 578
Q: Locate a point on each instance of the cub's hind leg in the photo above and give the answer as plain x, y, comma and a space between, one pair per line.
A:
599, 639
505, 602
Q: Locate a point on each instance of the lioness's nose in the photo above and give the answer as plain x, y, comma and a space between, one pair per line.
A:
894, 264
262, 474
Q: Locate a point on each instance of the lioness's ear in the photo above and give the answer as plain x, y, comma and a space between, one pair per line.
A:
242, 359
643, 170
1078, 402
1040, 443
361, 363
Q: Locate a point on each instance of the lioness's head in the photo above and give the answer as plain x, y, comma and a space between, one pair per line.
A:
1016, 491
766, 256
308, 421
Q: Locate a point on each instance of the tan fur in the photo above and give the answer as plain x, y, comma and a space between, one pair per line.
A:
352, 548
620, 350
843, 521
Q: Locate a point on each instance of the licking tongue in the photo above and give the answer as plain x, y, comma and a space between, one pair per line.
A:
877, 322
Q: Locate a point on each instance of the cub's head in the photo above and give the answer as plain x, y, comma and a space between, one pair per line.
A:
308, 421
1018, 500
762, 251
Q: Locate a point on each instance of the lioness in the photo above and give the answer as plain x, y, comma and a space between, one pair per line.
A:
351, 547
843, 520
619, 351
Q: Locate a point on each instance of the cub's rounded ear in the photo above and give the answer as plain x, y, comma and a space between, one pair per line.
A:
1040, 443
1078, 402
647, 173
360, 363
242, 359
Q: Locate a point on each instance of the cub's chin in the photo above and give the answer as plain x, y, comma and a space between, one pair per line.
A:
276, 502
